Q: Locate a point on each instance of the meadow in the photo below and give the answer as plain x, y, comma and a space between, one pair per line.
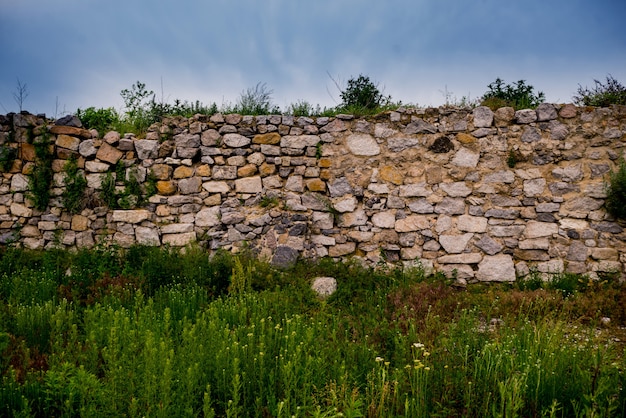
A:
161, 332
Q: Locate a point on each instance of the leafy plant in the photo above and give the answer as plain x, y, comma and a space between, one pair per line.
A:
7, 156
137, 103
134, 194
602, 94
98, 119
518, 95
75, 184
615, 201
362, 93
108, 194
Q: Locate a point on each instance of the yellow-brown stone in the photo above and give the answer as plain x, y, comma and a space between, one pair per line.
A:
109, 154
67, 141
166, 188
391, 174
271, 138
325, 174
203, 170
28, 152
316, 185
247, 170
464, 138
183, 172
70, 130
80, 223
324, 163
58, 165
266, 169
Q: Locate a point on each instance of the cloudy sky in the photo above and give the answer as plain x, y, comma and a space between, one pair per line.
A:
81, 53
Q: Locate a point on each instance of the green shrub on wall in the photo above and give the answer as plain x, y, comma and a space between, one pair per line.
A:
518, 95
602, 94
615, 202
362, 94
75, 185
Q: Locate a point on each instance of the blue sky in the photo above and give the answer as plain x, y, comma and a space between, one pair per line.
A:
81, 53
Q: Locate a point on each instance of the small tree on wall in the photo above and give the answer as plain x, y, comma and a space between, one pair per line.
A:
362, 93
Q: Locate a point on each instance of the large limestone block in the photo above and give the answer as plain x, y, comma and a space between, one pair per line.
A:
17, 209
536, 229
466, 158
456, 189
412, 223
455, 244
468, 223
147, 148
216, 186
299, 142
496, 268
341, 249
208, 217
362, 145
386, 219
147, 236
483, 117
236, 141
109, 154
19, 183
179, 240
67, 142
130, 216
251, 185
346, 204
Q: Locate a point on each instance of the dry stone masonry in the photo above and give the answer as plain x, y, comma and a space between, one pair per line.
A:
483, 195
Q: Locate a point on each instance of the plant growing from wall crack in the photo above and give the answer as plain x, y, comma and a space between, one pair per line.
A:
75, 185
41, 177
615, 201
134, 193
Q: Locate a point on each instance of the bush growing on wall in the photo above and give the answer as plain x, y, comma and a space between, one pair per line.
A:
518, 95
98, 119
363, 94
615, 202
602, 94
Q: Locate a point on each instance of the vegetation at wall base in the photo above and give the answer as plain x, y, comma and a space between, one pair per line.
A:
151, 331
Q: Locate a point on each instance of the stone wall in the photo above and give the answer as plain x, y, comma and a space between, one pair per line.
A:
480, 194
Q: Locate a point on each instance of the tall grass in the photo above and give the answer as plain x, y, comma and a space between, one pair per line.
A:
388, 343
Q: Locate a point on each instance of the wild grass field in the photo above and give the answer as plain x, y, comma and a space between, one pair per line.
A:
168, 333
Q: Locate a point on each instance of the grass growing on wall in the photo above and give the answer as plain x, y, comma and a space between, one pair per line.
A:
160, 332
